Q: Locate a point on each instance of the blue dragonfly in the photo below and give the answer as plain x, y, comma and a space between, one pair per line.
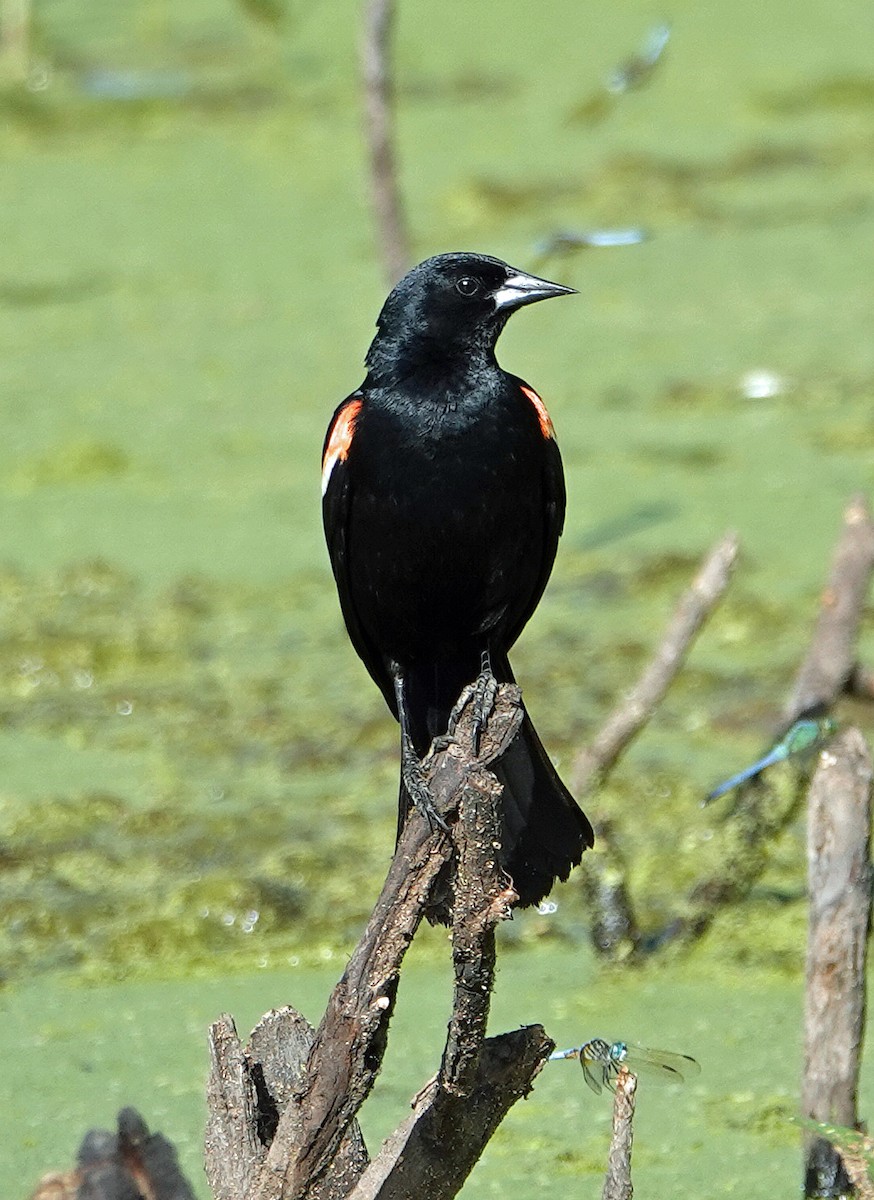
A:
602, 1061
803, 738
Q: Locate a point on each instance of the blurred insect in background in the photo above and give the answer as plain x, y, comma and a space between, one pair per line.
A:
800, 741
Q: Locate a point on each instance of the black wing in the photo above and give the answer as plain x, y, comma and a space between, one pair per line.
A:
337, 501
554, 501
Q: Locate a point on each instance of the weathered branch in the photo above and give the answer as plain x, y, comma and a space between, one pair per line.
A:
288, 1129
483, 896
828, 667
434, 1150
759, 815
248, 1090
617, 1184
379, 132
232, 1149
594, 763
839, 885
351, 1039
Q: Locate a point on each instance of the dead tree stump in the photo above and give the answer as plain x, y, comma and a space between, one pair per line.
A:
839, 880
282, 1111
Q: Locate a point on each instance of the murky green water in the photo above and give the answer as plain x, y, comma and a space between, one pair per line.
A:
197, 776
726, 1132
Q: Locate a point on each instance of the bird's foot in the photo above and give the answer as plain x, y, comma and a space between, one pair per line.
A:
413, 775
482, 692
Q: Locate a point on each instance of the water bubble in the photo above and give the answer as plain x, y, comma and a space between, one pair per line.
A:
124, 708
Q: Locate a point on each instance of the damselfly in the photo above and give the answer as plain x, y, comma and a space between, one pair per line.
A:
802, 739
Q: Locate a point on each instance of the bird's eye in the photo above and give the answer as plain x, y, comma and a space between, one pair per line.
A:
467, 286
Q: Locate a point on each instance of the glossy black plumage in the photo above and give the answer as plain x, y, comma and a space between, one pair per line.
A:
443, 505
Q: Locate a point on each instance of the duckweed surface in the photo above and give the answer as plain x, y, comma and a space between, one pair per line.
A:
197, 778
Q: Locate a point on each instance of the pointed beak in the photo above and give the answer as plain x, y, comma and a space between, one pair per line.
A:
522, 289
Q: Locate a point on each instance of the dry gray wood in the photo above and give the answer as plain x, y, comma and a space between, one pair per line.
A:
594, 763
351, 1039
839, 883
232, 1150
376, 73
828, 667
433, 1151
248, 1090
482, 897
617, 1184
280, 1132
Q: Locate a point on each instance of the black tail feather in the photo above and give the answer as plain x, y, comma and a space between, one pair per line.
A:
545, 831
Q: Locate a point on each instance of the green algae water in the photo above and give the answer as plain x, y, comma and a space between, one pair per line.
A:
198, 778
728, 1131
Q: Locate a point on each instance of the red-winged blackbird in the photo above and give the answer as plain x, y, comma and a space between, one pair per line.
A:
443, 504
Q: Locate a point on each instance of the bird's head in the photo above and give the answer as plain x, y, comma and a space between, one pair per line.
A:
454, 304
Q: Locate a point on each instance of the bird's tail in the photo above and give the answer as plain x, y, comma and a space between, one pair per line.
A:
545, 831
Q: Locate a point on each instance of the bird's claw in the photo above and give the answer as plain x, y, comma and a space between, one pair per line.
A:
417, 787
482, 693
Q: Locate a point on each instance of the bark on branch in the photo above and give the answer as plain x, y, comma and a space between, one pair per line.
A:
830, 664
282, 1111
594, 763
839, 885
617, 1184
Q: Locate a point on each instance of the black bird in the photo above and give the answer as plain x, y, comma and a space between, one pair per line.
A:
443, 504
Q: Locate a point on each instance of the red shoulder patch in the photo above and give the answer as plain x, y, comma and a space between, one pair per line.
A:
542, 415
339, 439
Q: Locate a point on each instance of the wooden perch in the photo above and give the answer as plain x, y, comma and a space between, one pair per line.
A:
282, 1112
830, 664
617, 1185
594, 763
839, 885
433, 1151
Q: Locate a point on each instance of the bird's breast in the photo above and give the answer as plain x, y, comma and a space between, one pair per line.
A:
446, 522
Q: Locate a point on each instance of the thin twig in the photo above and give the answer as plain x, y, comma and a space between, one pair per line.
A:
617, 1184
828, 667
376, 73
594, 763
